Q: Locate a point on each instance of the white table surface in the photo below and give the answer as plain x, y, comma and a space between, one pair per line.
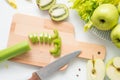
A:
16, 71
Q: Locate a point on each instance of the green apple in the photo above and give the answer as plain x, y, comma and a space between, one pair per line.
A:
115, 36
105, 17
95, 69
113, 69
119, 8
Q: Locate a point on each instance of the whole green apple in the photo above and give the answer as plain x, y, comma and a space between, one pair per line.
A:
115, 35
105, 17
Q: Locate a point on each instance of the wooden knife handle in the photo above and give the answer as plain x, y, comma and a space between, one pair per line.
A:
34, 77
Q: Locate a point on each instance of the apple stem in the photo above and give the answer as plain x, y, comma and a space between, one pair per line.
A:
118, 69
88, 26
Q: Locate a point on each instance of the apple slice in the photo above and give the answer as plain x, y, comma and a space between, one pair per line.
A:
59, 12
96, 69
113, 68
45, 4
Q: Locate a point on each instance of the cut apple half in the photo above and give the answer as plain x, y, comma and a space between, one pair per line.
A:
58, 12
113, 68
45, 4
95, 69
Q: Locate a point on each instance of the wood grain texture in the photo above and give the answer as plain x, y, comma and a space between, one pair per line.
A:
23, 25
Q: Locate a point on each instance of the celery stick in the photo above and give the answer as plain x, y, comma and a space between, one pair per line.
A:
36, 38
14, 50
41, 37
49, 39
46, 37
31, 37
55, 51
57, 42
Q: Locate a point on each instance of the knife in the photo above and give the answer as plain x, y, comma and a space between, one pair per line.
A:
53, 67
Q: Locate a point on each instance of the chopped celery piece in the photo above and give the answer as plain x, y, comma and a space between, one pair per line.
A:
36, 38
57, 54
57, 42
33, 38
41, 37
55, 51
57, 47
46, 37
56, 34
49, 39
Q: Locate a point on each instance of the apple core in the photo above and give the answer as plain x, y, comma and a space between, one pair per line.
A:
102, 20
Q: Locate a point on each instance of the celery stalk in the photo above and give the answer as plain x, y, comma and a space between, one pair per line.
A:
14, 50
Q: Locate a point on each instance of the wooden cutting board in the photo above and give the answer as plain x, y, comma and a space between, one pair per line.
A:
23, 25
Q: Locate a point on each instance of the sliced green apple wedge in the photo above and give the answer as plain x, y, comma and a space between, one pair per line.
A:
59, 12
45, 4
113, 68
96, 69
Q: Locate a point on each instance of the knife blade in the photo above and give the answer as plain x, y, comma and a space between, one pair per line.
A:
54, 66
